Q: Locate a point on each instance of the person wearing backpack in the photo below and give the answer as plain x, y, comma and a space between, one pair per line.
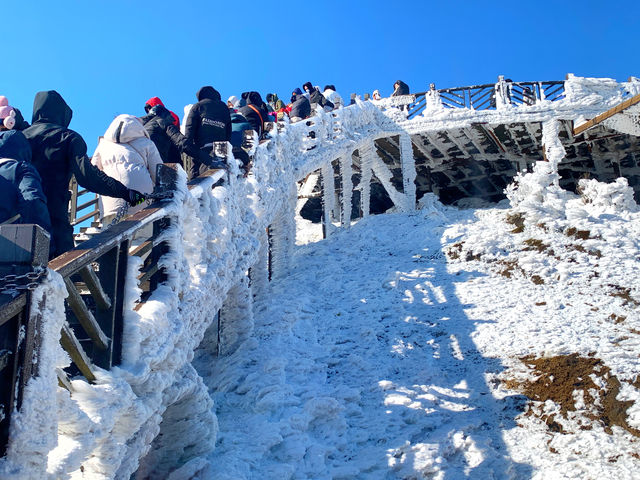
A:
58, 153
20, 184
255, 111
208, 121
127, 154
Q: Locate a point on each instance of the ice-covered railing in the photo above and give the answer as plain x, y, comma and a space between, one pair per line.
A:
223, 246
503, 94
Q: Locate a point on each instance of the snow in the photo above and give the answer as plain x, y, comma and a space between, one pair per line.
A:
371, 354
395, 370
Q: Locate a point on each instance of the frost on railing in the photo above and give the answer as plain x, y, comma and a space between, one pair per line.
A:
224, 246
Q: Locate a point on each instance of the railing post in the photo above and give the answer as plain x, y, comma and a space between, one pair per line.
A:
346, 172
408, 171
433, 100
502, 96
328, 199
366, 159
22, 247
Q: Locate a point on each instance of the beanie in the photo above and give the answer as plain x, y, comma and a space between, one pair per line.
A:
3, 101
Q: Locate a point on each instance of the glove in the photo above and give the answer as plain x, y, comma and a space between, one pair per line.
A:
135, 198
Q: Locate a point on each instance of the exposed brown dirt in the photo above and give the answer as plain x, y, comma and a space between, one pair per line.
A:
617, 318
517, 220
581, 234
624, 293
557, 378
535, 244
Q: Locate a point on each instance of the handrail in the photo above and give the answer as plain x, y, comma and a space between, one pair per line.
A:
235, 239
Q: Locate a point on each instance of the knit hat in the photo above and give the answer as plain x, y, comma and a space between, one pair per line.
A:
297, 91
3, 101
8, 116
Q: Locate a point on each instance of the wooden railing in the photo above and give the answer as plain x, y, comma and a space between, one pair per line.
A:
484, 97
94, 274
24, 250
83, 205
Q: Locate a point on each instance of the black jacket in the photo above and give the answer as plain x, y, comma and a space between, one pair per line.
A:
300, 107
166, 136
255, 112
316, 98
402, 89
209, 120
20, 184
59, 152
21, 124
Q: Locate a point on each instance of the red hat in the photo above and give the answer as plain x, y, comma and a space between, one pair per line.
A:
153, 101
176, 120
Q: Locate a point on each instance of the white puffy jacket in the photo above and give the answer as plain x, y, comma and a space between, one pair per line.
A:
127, 154
334, 97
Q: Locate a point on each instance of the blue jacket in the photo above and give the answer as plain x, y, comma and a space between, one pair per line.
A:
20, 184
238, 125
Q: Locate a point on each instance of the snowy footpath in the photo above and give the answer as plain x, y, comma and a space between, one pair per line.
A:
445, 344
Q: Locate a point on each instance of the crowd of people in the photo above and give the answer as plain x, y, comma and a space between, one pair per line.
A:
37, 160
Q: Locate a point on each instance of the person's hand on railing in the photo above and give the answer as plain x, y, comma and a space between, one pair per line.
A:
135, 198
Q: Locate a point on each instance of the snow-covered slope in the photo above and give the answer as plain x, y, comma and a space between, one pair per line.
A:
402, 347
372, 354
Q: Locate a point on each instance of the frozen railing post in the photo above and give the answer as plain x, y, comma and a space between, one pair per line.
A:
24, 249
433, 100
167, 181
502, 95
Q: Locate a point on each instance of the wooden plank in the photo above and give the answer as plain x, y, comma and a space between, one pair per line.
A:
72, 346
85, 317
12, 307
88, 204
92, 282
141, 249
87, 216
148, 272
608, 114
63, 380
70, 262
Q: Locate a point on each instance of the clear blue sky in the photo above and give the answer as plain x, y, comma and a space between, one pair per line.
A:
108, 57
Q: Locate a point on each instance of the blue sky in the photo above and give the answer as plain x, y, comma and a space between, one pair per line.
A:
107, 58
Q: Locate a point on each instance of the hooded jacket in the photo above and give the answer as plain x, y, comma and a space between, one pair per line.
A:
20, 185
127, 154
238, 125
333, 97
159, 124
401, 89
58, 153
300, 108
209, 120
316, 98
255, 112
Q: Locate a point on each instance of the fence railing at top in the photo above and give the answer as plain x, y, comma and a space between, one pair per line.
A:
489, 96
